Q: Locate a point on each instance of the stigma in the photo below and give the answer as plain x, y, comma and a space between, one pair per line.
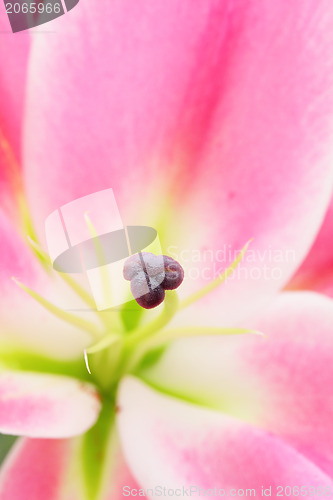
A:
150, 275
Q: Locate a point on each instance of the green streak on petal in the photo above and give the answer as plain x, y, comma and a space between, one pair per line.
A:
160, 340
94, 449
6, 442
150, 358
196, 400
215, 283
237, 405
15, 359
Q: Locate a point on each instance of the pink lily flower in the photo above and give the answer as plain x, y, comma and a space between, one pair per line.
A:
213, 123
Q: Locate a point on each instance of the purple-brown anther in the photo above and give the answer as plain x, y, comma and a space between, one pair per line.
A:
150, 275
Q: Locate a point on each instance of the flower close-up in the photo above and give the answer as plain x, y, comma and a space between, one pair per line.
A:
209, 125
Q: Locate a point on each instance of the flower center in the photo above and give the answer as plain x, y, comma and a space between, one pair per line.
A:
150, 276
121, 343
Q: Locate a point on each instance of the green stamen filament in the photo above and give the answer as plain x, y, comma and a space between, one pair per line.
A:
81, 292
106, 341
193, 331
170, 308
64, 315
107, 290
12, 171
100, 258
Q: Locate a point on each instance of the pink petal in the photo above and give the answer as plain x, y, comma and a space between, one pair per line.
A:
223, 112
174, 444
56, 338
316, 272
15, 257
14, 51
34, 470
282, 383
51, 469
40, 405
